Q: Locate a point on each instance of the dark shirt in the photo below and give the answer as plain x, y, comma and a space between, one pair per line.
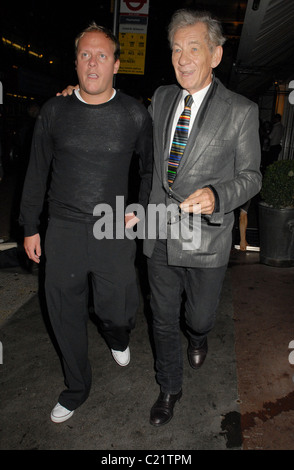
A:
88, 149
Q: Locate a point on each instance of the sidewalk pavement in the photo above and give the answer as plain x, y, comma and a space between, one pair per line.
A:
116, 414
241, 399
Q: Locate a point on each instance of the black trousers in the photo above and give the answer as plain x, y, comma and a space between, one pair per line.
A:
72, 256
167, 283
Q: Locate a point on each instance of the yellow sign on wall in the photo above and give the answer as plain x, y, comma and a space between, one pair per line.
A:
133, 50
133, 36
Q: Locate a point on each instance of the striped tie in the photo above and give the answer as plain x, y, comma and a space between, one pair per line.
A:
179, 141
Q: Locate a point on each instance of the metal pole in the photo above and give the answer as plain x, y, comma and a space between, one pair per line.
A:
115, 21
115, 16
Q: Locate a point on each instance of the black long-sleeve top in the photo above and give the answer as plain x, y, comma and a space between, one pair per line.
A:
86, 151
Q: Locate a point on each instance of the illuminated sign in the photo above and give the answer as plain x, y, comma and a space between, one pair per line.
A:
133, 24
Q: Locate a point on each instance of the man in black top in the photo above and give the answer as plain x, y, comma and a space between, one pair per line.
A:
85, 142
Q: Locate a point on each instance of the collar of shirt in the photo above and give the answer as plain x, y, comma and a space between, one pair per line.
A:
77, 93
198, 97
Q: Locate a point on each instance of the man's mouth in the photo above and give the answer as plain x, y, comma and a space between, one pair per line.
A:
186, 73
92, 75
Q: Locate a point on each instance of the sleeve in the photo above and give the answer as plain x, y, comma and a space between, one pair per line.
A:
35, 184
247, 179
144, 148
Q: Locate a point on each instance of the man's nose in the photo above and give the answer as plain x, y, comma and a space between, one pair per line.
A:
184, 58
92, 61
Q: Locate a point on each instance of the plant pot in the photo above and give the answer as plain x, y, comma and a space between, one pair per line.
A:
276, 234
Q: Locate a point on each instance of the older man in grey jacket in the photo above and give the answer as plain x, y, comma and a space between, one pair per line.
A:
216, 171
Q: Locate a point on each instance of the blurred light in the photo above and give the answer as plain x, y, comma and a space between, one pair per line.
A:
13, 44
15, 95
40, 56
21, 48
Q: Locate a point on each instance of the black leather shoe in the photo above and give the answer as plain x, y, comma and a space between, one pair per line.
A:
162, 410
197, 356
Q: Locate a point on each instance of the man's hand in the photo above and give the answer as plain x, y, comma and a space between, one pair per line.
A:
201, 201
130, 220
68, 90
32, 247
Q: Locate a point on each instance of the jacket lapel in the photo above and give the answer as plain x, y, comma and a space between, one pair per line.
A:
208, 120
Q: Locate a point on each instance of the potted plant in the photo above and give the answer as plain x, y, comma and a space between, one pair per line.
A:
276, 215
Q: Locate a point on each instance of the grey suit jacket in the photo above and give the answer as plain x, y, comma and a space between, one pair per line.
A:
223, 151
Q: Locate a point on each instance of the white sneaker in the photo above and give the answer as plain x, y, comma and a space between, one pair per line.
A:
60, 414
121, 357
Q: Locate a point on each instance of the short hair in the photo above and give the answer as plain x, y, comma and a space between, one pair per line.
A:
93, 27
183, 18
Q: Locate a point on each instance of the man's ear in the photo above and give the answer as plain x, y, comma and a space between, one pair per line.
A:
116, 66
216, 56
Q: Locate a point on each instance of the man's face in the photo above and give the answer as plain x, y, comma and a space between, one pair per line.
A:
95, 65
192, 59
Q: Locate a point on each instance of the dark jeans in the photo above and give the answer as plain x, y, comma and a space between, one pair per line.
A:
72, 255
202, 287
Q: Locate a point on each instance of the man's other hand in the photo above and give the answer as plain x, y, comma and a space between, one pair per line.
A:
68, 90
